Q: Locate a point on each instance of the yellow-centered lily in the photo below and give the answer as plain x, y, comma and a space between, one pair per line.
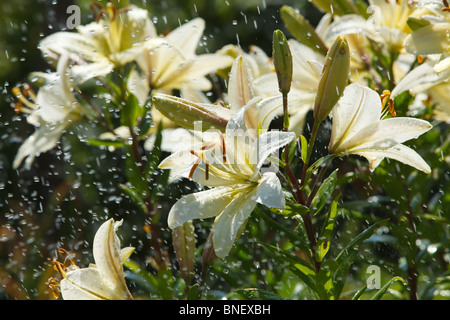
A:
231, 166
359, 127
113, 40
171, 62
104, 280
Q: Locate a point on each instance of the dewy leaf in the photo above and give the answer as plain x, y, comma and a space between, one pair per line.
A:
347, 255
326, 189
323, 244
383, 290
302, 30
258, 294
130, 111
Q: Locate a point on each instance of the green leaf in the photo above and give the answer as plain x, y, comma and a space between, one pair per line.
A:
348, 254
323, 244
293, 209
105, 143
297, 265
304, 147
296, 239
131, 110
134, 174
135, 197
258, 294
153, 159
325, 284
326, 189
193, 293
383, 290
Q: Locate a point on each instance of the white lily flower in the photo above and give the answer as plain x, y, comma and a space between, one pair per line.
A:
55, 108
106, 279
232, 167
358, 128
111, 41
171, 62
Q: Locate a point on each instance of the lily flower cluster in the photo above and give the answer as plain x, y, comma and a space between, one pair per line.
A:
226, 146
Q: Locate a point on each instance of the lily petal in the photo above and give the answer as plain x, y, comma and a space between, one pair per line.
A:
358, 108
108, 258
84, 284
385, 134
229, 224
270, 192
200, 205
400, 153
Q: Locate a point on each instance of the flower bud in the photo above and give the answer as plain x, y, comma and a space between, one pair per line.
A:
302, 30
282, 60
183, 239
186, 113
334, 78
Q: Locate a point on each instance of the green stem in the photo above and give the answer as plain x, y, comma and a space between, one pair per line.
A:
312, 140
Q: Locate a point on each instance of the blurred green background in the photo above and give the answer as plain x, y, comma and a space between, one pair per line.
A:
69, 191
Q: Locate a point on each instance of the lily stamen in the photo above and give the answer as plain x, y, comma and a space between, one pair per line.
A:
24, 105
387, 104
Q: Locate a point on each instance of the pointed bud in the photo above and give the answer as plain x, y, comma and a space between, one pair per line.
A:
302, 30
185, 113
282, 60
183, 239
334, 78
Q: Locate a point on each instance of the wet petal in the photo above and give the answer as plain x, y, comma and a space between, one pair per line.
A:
229, 224
200, 205
400, 153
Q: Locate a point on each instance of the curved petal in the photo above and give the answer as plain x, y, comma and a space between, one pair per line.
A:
430, 39
200, 205
44, 139
187, 36
228, 225
419, 79
269, 191
266, 144
400, 153
385, 134
84, 284
108, 258
239, 85
358, 108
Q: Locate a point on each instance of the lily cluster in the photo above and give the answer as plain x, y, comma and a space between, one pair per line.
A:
225, 146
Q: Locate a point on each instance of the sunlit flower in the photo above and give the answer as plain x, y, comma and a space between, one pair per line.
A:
386, 25
231, 167
97, 47
106, 279
171, 62
359, 127
52, 110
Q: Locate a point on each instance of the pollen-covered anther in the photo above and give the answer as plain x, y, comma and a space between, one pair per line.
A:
23, 104
63, 267
388, 104
54, 285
